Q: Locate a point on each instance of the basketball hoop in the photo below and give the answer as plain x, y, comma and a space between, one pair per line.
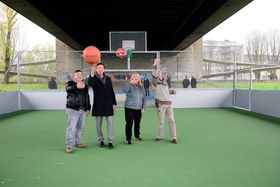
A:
121, 53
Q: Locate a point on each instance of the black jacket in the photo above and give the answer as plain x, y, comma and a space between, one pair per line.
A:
186, 83
52, 84
193, 83
77, 98
104, 96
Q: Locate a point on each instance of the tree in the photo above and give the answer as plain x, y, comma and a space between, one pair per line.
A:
263, 48
273, 50
39, 53
255, 48
7, 41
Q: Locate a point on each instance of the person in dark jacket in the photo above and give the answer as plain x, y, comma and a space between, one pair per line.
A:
52, 83
104, 102
168, 81
193, 82
186, 82
77, 108
146, 86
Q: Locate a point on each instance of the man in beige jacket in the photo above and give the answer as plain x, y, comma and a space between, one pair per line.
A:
163, 102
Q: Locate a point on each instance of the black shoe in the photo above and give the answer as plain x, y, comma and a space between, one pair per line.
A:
139, 139
101, 144
110, 146
129, 142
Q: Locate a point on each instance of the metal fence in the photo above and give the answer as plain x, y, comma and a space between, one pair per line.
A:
33, 70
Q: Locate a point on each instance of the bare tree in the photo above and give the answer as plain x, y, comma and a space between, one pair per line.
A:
256, 48
273, 49
263, 48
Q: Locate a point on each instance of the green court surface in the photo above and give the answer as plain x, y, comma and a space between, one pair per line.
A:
217, 148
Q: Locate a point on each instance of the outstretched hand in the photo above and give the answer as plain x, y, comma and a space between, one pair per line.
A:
81, 85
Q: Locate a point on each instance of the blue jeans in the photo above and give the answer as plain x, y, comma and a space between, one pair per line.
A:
75, 124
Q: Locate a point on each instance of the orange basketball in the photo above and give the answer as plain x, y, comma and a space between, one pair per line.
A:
91, 55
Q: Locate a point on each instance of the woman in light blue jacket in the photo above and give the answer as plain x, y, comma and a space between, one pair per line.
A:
135, 104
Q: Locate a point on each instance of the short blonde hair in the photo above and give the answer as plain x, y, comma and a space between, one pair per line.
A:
136, 75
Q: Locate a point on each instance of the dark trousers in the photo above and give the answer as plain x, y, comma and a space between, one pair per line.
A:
130, 116
147, 91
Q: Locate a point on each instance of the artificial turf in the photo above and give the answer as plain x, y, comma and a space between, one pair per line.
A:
217, 147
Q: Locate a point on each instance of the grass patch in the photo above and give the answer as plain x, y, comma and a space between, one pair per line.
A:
28, 86
257, 85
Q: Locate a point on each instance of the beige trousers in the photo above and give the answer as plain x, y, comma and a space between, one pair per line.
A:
168, 110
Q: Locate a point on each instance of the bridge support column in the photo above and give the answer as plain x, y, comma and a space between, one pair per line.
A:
67, 60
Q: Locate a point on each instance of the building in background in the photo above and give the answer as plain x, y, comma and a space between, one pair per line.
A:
220, 56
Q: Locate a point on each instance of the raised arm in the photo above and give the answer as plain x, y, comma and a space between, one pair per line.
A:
156, 68
90, 80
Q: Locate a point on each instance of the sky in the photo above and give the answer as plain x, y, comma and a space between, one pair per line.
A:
259, 15
34, 35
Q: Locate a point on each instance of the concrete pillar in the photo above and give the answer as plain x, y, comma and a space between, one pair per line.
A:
187, 62
191, 60
67, 60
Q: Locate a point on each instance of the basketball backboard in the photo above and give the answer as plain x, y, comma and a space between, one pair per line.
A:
133, 40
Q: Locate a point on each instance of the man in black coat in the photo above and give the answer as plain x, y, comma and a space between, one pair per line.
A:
193, 82
104, 102
186, 82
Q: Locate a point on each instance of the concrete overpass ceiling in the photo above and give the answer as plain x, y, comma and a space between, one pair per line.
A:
170, 24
